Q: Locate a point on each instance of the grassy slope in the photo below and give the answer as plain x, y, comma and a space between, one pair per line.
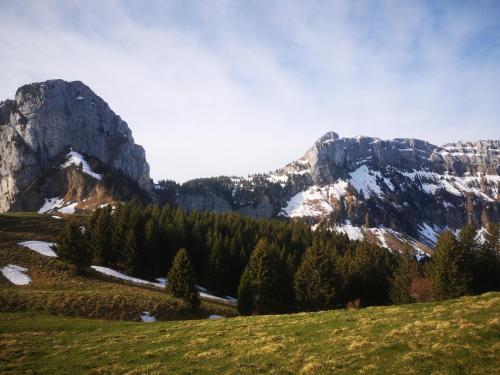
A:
56, 290
452, 337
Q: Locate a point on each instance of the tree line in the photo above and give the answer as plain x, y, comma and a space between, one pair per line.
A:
276, 266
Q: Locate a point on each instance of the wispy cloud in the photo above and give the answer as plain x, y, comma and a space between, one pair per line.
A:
226, 87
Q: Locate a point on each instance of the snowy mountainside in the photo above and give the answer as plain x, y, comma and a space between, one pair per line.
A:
393, 192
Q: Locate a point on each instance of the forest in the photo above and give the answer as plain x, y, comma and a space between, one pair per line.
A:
276, 266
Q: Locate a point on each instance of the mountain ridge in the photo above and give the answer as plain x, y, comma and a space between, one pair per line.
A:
403, 188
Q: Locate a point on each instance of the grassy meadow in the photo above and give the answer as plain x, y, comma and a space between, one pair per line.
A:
55, 289
452, 337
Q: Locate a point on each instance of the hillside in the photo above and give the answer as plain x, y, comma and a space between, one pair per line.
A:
451, 337
57, 290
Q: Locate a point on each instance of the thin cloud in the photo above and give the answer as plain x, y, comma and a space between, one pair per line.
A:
213, 88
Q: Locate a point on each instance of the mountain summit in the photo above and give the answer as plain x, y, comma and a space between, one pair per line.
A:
43, 124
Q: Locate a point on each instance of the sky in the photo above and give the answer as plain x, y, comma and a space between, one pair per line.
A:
238, 87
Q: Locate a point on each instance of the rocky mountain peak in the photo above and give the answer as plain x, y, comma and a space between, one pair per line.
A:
49, 118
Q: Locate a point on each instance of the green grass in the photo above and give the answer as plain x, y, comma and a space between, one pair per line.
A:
451, 337
55, 289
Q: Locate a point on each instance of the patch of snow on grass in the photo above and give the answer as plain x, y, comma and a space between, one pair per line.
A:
215, 298
110, 272
51, 204
215, 317
41, 247
74, 158
146, 317
69, 209
16, 274
161, 283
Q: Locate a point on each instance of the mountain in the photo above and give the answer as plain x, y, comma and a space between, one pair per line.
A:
392, 192
63, 149
52, 136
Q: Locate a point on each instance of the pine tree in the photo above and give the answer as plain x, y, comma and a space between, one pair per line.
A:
72, 247
406, 271
315, 279
450, 268
181, 281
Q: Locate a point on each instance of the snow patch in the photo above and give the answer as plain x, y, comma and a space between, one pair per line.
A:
380, 233
364, 180
353, 232
215, 317
41, 247
315, 201
429, 234
110, 272
146, 317
51, 204
161, 283
16, 274
69, 209
74, 158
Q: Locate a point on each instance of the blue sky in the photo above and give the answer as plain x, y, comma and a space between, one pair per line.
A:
238, 87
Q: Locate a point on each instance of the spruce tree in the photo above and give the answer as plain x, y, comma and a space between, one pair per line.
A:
450, 267
406, 271
72, 247
181, 280
265, 273
315, 279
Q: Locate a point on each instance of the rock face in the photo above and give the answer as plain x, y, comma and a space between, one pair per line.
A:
384, 190
47, 120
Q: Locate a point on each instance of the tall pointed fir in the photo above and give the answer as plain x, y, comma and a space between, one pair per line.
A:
266, 279
181, 281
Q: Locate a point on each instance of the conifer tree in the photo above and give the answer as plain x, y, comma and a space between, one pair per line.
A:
315, 279
449, 270
405, 272
264, 271
486, 268
101, 237
245, 296
181, 281
72, 247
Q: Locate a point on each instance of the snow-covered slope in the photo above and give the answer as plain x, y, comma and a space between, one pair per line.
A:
388, 191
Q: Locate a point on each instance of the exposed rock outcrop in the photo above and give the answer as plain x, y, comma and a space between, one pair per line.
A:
48, 119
